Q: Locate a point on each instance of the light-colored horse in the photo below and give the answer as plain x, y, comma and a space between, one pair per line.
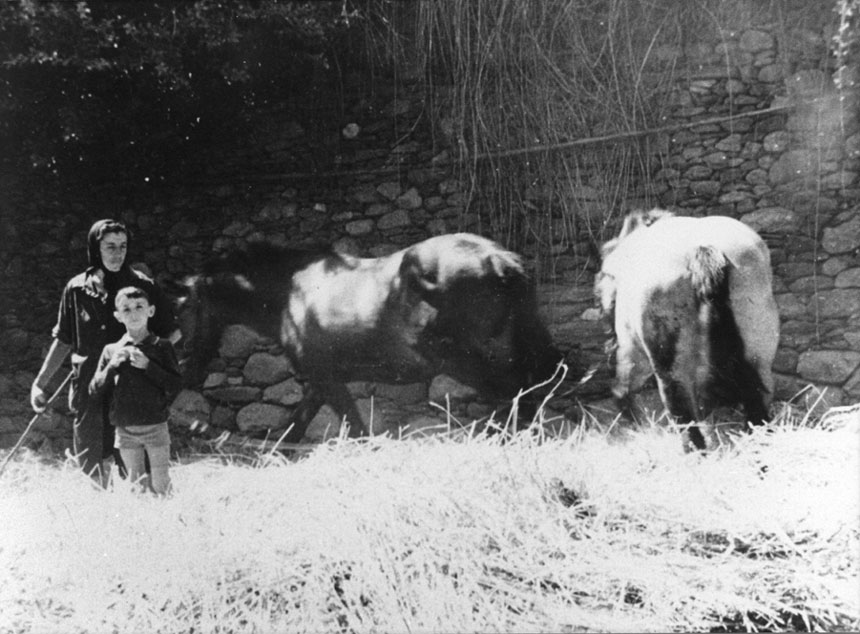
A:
691, 301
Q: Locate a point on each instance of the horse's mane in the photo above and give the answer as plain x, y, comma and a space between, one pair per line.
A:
634, 220
265, 256
642, 218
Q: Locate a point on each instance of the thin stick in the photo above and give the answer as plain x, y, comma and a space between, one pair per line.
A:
33, 422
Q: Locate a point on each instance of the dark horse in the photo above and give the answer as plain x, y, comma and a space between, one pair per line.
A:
457, 304
691, 302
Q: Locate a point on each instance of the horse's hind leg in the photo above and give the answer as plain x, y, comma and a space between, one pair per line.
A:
753, 395
679, 401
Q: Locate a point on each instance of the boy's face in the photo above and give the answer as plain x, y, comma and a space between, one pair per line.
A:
133, 312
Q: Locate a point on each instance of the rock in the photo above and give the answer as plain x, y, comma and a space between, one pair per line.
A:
262, 416
733, 197
397, 218
351, 130
842, 238
772, 219
326, 424
444, 388
214, 379
770, 74
777, 141
591, 314
419, 425
840, 302
408, 394
698, 172
450, 186
753, 41
266, 369
849, 278
238, 341
359, 227
189, 409
365, 194
377, 209
437, 227
410, 200
731, 143
705, 188
289, 392
223, 417
389, 190
237, 229
828, 366
791, 166
790, 305
235, 394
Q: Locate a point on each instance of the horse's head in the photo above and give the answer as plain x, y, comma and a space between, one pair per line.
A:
200, 327
604, 281
236, 289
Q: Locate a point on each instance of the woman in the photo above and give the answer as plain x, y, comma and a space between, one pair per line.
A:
85, 325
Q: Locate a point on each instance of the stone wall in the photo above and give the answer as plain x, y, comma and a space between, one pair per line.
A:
791, 172
376, 179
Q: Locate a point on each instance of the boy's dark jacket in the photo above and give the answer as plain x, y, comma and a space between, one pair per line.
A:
138, 397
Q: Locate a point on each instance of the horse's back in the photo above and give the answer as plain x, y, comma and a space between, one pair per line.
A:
443, 260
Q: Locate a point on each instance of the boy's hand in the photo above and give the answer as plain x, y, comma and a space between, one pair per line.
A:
137, 358
119, 357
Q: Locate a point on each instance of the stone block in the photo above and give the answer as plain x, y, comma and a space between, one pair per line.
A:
262, 416
840, 302
410, 200
377, 209
189, 409
235, 394
359, 227
325, 425
828, 366
731, 143
397, 218
444, 388
238, 341
389, 190
753, 41
407, 394
792, 165
214, 379
266, 369
849, 278
790, 306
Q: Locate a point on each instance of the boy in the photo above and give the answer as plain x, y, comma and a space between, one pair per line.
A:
141, 376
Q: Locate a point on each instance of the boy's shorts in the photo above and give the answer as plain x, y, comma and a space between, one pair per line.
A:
142, 436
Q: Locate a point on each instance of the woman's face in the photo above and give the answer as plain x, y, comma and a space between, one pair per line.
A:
113, 247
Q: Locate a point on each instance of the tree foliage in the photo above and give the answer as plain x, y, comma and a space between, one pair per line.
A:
134, 86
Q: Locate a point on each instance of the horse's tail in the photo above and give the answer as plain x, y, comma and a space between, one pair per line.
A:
709, 270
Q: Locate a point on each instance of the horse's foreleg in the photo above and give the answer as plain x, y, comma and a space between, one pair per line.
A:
338, 396
303, 414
